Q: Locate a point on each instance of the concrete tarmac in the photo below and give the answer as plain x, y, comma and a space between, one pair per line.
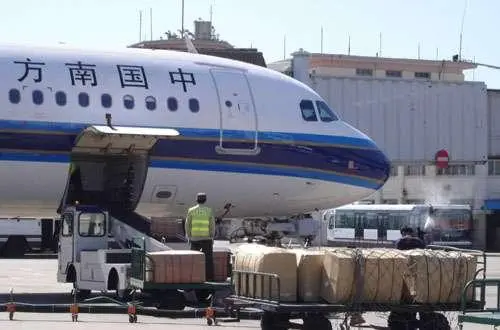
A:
34, 280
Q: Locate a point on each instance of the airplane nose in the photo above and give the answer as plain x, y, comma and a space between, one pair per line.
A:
380, 165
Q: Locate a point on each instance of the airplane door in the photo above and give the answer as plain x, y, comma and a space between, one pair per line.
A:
237, 112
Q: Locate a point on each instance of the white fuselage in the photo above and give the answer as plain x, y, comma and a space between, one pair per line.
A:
243, 138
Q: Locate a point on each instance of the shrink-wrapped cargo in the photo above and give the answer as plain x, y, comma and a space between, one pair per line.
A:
363, 275
175, 266
437, 276
309, 272
271, 260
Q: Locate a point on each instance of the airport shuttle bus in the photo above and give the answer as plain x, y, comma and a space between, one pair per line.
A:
379, 225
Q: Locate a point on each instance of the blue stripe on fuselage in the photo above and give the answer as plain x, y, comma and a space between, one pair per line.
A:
315, 158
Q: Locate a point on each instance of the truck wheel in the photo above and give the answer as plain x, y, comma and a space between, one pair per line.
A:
434, 321
172, 300
273, 321
317, 322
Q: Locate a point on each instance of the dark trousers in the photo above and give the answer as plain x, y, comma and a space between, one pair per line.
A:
206, 246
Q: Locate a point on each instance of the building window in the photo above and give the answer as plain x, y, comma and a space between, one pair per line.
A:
106, 100
14, 96
128, 102
364, 72
394, 171
393, 73
307, 109
172, 104
458, 169
425, 75
390, 201
194, 105
61, 98
415, 170
494, 167
150, 103
83, 99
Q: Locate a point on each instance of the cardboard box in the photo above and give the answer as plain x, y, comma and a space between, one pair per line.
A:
176, 266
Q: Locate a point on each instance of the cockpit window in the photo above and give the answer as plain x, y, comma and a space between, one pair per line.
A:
325, 113
307, 109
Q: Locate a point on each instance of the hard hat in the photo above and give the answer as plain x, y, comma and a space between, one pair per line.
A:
201, 194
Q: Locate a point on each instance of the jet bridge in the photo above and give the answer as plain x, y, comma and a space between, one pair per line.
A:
108, 169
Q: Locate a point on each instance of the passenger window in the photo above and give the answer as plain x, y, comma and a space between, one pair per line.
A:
194, 105
83, 99
106, 100
61, 98
325, 113
37, 97
307, 109
14, 96
150, 103
172, 104
128, 102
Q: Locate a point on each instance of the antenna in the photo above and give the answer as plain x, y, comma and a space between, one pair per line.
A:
349, 45
140, 25
151, 23
211, 13
437, 54
380, 44
321, 39
182, 22
284, 46
419, 50
461, 32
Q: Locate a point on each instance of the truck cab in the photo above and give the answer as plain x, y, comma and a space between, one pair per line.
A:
83, 255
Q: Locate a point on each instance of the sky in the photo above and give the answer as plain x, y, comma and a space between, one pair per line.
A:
403, 25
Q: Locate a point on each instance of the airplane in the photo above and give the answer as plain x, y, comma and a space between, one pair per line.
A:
170, 124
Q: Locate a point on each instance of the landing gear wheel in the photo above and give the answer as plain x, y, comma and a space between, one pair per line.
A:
317, 322
272, 321
434, 321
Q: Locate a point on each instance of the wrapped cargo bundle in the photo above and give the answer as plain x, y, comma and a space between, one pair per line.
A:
309, 272
263, 259
437, 276
175, 266
363, 275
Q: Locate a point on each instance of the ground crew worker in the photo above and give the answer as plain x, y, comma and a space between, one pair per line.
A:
200, 231
408, 241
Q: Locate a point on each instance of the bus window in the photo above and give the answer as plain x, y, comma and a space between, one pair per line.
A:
452, 225
358, 226
383, 224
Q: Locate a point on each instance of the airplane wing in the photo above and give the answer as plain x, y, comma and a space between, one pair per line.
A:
120, 139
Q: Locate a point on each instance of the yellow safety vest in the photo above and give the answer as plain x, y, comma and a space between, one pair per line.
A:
200, 221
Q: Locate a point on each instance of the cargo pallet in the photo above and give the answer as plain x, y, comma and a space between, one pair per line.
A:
170, 295
277, 314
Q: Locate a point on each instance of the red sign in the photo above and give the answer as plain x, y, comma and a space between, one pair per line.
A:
442, 159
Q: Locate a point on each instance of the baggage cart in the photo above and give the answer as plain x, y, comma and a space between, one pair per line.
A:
315, 316
167, 295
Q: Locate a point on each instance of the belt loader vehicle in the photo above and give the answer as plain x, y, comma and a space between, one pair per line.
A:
86, 259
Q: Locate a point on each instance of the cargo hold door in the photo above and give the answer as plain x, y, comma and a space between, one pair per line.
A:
109, 165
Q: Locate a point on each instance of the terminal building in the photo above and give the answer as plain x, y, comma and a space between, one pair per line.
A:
442, 133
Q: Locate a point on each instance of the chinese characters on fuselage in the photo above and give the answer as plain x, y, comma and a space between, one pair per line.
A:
85, 74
